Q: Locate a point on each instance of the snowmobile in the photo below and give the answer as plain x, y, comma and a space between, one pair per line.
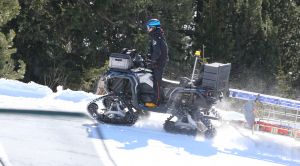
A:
129, 93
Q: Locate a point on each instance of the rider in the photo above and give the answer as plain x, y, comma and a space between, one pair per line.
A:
158, 55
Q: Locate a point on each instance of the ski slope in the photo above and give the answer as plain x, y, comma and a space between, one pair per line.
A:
146, 143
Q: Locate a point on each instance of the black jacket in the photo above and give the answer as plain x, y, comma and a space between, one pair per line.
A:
158, 47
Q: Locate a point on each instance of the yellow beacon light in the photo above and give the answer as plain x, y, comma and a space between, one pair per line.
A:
197, 53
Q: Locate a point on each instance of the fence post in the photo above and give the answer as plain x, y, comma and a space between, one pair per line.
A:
256, 127
274, 130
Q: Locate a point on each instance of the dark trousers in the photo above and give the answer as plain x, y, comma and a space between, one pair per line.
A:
157, 81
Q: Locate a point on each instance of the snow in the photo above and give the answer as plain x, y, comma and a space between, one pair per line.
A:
18, 95
3, 156
19, 89
146, 143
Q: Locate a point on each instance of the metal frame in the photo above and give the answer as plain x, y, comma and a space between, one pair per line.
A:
287, 113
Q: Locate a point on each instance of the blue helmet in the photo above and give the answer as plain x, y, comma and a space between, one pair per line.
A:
153, 23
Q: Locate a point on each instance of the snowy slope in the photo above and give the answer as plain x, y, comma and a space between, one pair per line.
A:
146, 143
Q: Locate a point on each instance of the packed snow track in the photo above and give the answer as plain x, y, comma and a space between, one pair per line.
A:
44, 138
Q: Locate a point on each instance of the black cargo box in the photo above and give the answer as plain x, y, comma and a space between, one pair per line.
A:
216, 76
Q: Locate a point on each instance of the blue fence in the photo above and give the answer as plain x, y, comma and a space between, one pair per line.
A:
273, 100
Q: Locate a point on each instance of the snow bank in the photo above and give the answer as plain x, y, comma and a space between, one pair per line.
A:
20, 89
18, 95
75, 96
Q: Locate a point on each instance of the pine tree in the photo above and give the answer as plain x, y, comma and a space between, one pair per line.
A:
76, 37
283, 87
283, 38
8, 69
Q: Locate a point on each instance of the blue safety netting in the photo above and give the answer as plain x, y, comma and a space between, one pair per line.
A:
274, 100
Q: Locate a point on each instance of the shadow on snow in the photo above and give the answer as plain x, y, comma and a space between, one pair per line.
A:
136, 137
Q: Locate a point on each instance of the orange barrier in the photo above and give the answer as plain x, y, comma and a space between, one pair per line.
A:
270, 128
277, 129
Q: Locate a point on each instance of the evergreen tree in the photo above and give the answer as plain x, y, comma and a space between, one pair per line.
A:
66, 42
8, 69
254, 35
74, 38
283, 87
283, 24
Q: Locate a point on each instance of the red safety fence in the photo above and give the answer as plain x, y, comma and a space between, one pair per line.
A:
277, 129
